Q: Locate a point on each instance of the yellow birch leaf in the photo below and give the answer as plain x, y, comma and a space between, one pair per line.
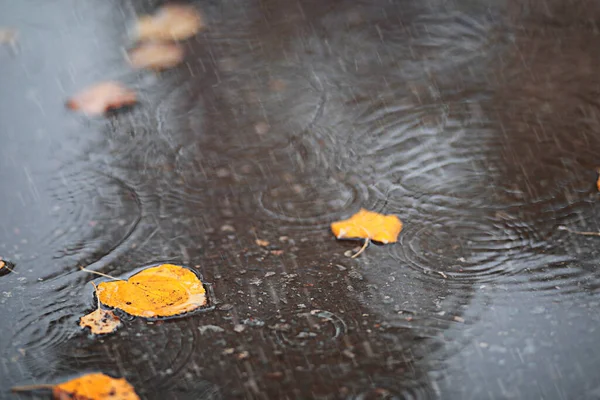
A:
94, 386
161, 291
368, 225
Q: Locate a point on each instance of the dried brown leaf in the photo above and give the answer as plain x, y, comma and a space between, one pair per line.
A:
8, 36
170, 22
262, 243
156, 55
102, 97
100, 321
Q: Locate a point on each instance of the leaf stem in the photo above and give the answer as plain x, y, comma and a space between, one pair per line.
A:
28, 388
364, 246
99, 273
564, 228
4, 264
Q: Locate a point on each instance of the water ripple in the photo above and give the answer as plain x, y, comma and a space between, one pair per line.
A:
90, 214
315, 329
311, 201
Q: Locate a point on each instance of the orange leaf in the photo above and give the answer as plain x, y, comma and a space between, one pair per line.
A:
368, 225
598, 181
95, 386
101, 97
170, 22
156, 55
161, 291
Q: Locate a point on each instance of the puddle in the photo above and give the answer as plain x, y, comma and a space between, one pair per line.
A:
474, 121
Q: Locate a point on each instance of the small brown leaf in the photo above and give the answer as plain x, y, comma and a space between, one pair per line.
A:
100, 321
101, 97
156, 55
8, 36
262, 243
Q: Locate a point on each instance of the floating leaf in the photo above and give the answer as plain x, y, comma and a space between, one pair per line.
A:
170, 22
101, 97
161, 291
156, 55
100, 321
95, 386
368, 225
598, 180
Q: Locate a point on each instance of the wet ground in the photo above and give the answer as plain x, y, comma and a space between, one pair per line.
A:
475, 121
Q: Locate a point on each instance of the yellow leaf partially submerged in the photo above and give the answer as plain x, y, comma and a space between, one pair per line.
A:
95, 386
161, 291
170, 22
368, 225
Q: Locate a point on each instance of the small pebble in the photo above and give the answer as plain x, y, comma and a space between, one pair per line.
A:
261, 128
210, 328
227, 228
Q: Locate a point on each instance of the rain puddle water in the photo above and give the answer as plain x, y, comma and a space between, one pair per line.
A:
473, 121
